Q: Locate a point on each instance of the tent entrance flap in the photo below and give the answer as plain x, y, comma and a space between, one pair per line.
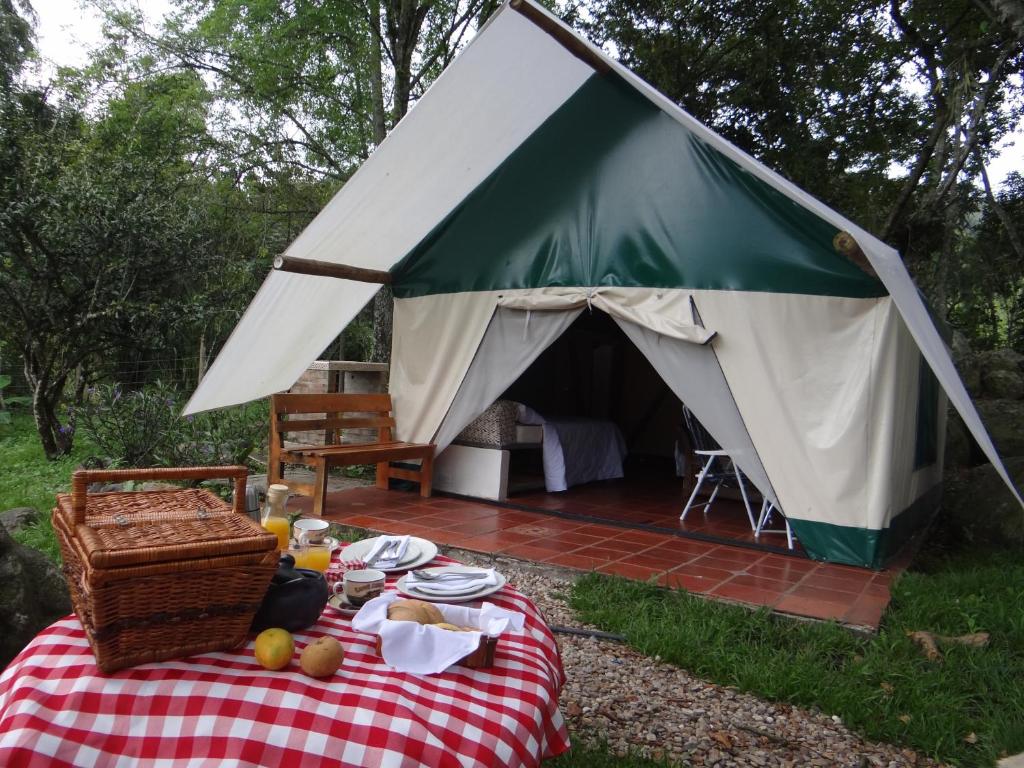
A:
515, 338
693, 373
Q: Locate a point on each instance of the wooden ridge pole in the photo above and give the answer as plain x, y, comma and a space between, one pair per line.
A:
328, 269
847, 246
565, 38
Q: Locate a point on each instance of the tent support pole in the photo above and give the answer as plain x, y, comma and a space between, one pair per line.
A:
566, 38
847, 246
327, 269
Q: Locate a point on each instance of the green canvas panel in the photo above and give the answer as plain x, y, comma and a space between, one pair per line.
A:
865, 547
611, 191
926, 443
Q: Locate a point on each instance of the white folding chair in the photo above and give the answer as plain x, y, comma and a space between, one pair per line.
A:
725, 473
767, 510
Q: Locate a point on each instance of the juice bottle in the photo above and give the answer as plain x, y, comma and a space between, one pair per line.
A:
275, 519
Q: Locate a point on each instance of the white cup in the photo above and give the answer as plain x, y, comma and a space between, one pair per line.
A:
362, 585
310, 530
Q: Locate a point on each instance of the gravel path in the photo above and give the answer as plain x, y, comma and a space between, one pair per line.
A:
634, 702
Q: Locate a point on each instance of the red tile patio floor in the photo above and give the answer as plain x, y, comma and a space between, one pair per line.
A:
789, 584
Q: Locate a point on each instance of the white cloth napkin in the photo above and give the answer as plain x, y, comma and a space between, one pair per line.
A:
382, 543
452, 582
426, 650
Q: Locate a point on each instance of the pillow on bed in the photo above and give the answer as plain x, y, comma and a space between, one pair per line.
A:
527, 415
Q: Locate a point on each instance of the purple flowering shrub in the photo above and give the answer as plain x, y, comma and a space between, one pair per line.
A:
145, 428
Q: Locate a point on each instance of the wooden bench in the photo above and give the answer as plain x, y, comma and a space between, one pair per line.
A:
334, 413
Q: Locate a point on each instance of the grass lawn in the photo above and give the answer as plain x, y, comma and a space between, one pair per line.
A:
29, 480
968, 709
599, 756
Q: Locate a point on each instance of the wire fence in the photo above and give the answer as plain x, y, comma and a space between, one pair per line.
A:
131, 375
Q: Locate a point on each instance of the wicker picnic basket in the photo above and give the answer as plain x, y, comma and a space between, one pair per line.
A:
156, 575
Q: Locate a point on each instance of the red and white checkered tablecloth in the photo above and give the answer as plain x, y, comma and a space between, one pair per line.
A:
223, 709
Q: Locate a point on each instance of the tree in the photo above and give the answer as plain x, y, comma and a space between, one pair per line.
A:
16, 41
98, 231
317, 85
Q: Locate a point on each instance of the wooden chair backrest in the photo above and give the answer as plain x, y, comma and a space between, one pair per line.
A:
369, 411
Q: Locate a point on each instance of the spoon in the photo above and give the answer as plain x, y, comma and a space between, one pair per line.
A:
426, 576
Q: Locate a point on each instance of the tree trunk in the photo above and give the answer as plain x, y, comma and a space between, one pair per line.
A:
46, 397
404, 22
377, 76
924, 155
56, 441
383, 310
203, 361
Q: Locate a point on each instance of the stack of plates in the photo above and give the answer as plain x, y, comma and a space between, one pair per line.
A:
419, 552
471, 591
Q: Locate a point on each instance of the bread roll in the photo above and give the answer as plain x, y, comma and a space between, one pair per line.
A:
414, 610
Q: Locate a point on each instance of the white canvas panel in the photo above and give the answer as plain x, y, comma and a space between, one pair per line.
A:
801, 369
505, 83
893, 483
514, 339
692, 372
433, 344
289, 323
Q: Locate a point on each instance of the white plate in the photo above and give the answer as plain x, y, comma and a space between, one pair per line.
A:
425, 552
459, 597
469, 588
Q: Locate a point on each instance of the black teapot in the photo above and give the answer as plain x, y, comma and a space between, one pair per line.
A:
295, 598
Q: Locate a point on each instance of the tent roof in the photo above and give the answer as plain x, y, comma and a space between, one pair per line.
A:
521, 68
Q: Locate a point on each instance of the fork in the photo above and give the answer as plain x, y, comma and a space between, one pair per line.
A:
387, 553
426, 576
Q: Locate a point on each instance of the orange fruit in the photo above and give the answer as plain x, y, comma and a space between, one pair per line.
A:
274, 648
322, 657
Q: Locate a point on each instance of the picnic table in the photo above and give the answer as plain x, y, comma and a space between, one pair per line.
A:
223, 709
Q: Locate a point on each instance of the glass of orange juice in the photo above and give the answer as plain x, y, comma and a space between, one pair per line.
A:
316, 557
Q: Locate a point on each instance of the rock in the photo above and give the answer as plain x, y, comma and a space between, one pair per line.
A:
967, 364
960, 446
19, 517
1000, 360
32, 595
1004, 420
1001, 525
1007, 385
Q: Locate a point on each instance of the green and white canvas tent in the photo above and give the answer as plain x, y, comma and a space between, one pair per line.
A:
537, 178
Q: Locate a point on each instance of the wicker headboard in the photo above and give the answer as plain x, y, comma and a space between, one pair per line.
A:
494, 428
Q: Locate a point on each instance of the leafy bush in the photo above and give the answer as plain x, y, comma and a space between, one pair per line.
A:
144, 428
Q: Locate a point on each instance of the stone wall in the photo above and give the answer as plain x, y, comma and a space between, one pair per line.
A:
339, 376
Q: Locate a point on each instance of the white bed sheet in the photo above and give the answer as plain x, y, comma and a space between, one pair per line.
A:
580, 451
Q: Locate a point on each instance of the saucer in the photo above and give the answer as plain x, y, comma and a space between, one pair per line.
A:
330, 541
340, 603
